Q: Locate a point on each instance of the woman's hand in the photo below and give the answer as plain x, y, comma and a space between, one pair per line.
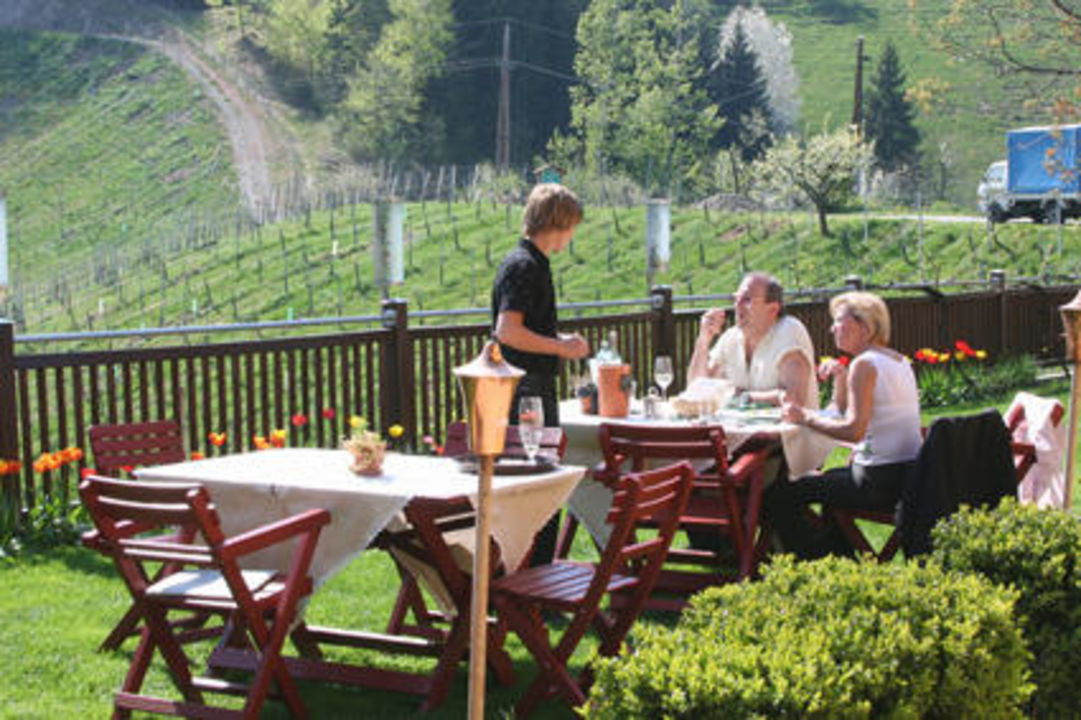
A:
835, 368
793, 413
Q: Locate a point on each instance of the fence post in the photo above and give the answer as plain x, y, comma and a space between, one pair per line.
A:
664, 327
853, 282
8, 447
998, 285
396, 372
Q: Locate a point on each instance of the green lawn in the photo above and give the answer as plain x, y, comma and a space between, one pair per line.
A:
56, 606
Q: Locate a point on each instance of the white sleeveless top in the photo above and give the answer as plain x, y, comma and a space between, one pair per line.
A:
893, 435
787, 335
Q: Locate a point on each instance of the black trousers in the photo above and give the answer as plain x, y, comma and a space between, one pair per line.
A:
867, 487
543, 386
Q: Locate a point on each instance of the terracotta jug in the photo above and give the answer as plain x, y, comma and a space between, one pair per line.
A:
611, 397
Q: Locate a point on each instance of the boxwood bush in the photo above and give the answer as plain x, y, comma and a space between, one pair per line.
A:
834, 638
1038, 552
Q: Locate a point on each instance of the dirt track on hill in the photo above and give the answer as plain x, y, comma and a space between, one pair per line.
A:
243, 118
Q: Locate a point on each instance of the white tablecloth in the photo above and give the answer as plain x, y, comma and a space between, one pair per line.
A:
805, 450
255, 488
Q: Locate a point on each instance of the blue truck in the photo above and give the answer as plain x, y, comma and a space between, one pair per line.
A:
1039, 177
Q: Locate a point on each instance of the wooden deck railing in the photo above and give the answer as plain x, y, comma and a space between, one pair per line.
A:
398, 374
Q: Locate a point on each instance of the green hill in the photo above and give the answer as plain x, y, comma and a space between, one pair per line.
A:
101, 140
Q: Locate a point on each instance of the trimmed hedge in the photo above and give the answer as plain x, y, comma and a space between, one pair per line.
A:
834, 638
1038, 552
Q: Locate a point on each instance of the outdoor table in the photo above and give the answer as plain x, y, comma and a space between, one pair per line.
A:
253, 488
804, 450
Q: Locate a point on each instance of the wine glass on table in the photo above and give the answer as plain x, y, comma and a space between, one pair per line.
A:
663, 374
530, 424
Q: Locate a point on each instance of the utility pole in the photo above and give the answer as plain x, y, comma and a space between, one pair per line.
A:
857, 99
502, 124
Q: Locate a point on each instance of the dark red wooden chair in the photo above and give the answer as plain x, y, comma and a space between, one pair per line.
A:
410, 600
1024, 457
117, 449
200, 572
726, 501
629, 568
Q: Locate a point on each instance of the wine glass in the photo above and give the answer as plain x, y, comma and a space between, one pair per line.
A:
663, 374
530, 424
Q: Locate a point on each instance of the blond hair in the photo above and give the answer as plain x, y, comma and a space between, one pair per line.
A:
868, 309
550, 206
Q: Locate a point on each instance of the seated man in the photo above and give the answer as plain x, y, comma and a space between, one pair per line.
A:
767, 354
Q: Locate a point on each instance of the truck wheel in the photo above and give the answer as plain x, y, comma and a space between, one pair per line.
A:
995, 214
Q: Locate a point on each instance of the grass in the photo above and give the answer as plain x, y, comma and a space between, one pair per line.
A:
451, 254
57, 605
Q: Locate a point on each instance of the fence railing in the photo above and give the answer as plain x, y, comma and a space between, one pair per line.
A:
395, 373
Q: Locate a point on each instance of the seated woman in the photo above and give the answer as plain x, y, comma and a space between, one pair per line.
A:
876, 408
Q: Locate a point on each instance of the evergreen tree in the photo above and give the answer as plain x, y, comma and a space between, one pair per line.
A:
738, 88
352, 30
889, 115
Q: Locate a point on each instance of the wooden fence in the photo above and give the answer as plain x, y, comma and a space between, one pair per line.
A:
398, 374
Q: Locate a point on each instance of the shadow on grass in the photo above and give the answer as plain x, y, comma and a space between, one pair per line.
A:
75, 557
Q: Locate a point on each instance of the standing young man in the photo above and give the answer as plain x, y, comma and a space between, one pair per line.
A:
524, 312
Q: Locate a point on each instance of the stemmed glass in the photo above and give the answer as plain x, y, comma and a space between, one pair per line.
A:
663, 374
530, 424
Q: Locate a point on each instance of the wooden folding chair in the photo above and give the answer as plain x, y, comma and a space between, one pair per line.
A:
117, 449
201, 573
726, 501
1024, 457
629, 567
410, 599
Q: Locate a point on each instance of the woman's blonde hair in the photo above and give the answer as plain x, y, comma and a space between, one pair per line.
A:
550, 206
866, 308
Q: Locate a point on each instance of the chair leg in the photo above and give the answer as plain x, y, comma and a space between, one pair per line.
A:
272, 666
553, 672
566, 537
158, 626
125, 628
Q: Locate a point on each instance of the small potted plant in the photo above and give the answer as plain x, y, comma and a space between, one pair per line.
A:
366, 447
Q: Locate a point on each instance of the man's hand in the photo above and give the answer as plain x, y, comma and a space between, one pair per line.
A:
573, 346
713, 321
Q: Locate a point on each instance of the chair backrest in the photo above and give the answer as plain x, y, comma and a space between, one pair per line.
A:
622, 443
553, 442
656, 496
127, 513
125, 445
963, 460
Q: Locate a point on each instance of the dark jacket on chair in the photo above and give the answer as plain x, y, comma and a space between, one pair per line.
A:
963, 460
